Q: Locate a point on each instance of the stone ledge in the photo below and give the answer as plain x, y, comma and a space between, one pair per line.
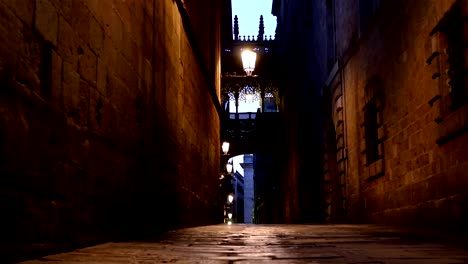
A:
375, 170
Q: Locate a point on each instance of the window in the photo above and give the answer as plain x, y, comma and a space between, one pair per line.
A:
447, 66
371, 132
451, 32
372, 129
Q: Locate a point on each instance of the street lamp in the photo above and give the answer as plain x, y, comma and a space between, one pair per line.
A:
230, 198
225, 147
248, 61
229, 168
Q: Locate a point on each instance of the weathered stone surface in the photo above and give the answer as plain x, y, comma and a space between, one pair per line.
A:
278, 244
67, 41
87, 64
47, 20
420, 166
79, 98
22, 8
96, 35
80, 19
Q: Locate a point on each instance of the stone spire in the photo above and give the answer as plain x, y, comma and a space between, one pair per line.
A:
276, 30
236, 28
261, 29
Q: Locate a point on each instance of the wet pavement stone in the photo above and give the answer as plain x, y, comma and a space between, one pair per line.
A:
368, 244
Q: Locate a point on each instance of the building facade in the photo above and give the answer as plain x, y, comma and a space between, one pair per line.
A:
239, 190
391, 76
109, 117
249, 194
298, 182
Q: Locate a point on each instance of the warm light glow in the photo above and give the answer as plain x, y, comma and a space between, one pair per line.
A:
230, 198
229, 168
248, 61
229, 223
230, 215
225, 147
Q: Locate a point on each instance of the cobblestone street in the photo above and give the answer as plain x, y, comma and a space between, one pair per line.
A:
278, 244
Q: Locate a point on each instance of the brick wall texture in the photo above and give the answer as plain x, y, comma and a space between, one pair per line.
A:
421, 176
421, 182
107, 124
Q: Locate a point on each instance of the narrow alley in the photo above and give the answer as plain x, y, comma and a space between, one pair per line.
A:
278, 244
183, 121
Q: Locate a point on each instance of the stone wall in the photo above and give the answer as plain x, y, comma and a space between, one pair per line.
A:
299, 148
419, 177
108, 117
394, 105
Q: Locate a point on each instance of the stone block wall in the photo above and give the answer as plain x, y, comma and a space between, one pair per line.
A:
420, 177
108, 117
394, 104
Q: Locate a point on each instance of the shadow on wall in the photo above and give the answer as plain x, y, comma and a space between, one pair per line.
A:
90, 146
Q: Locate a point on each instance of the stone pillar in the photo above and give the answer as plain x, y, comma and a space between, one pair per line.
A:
236, 96
262, 99
248, 188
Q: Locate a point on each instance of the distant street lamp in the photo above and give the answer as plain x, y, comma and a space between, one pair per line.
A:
230, 198
248, 61
225, 147
229, 168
